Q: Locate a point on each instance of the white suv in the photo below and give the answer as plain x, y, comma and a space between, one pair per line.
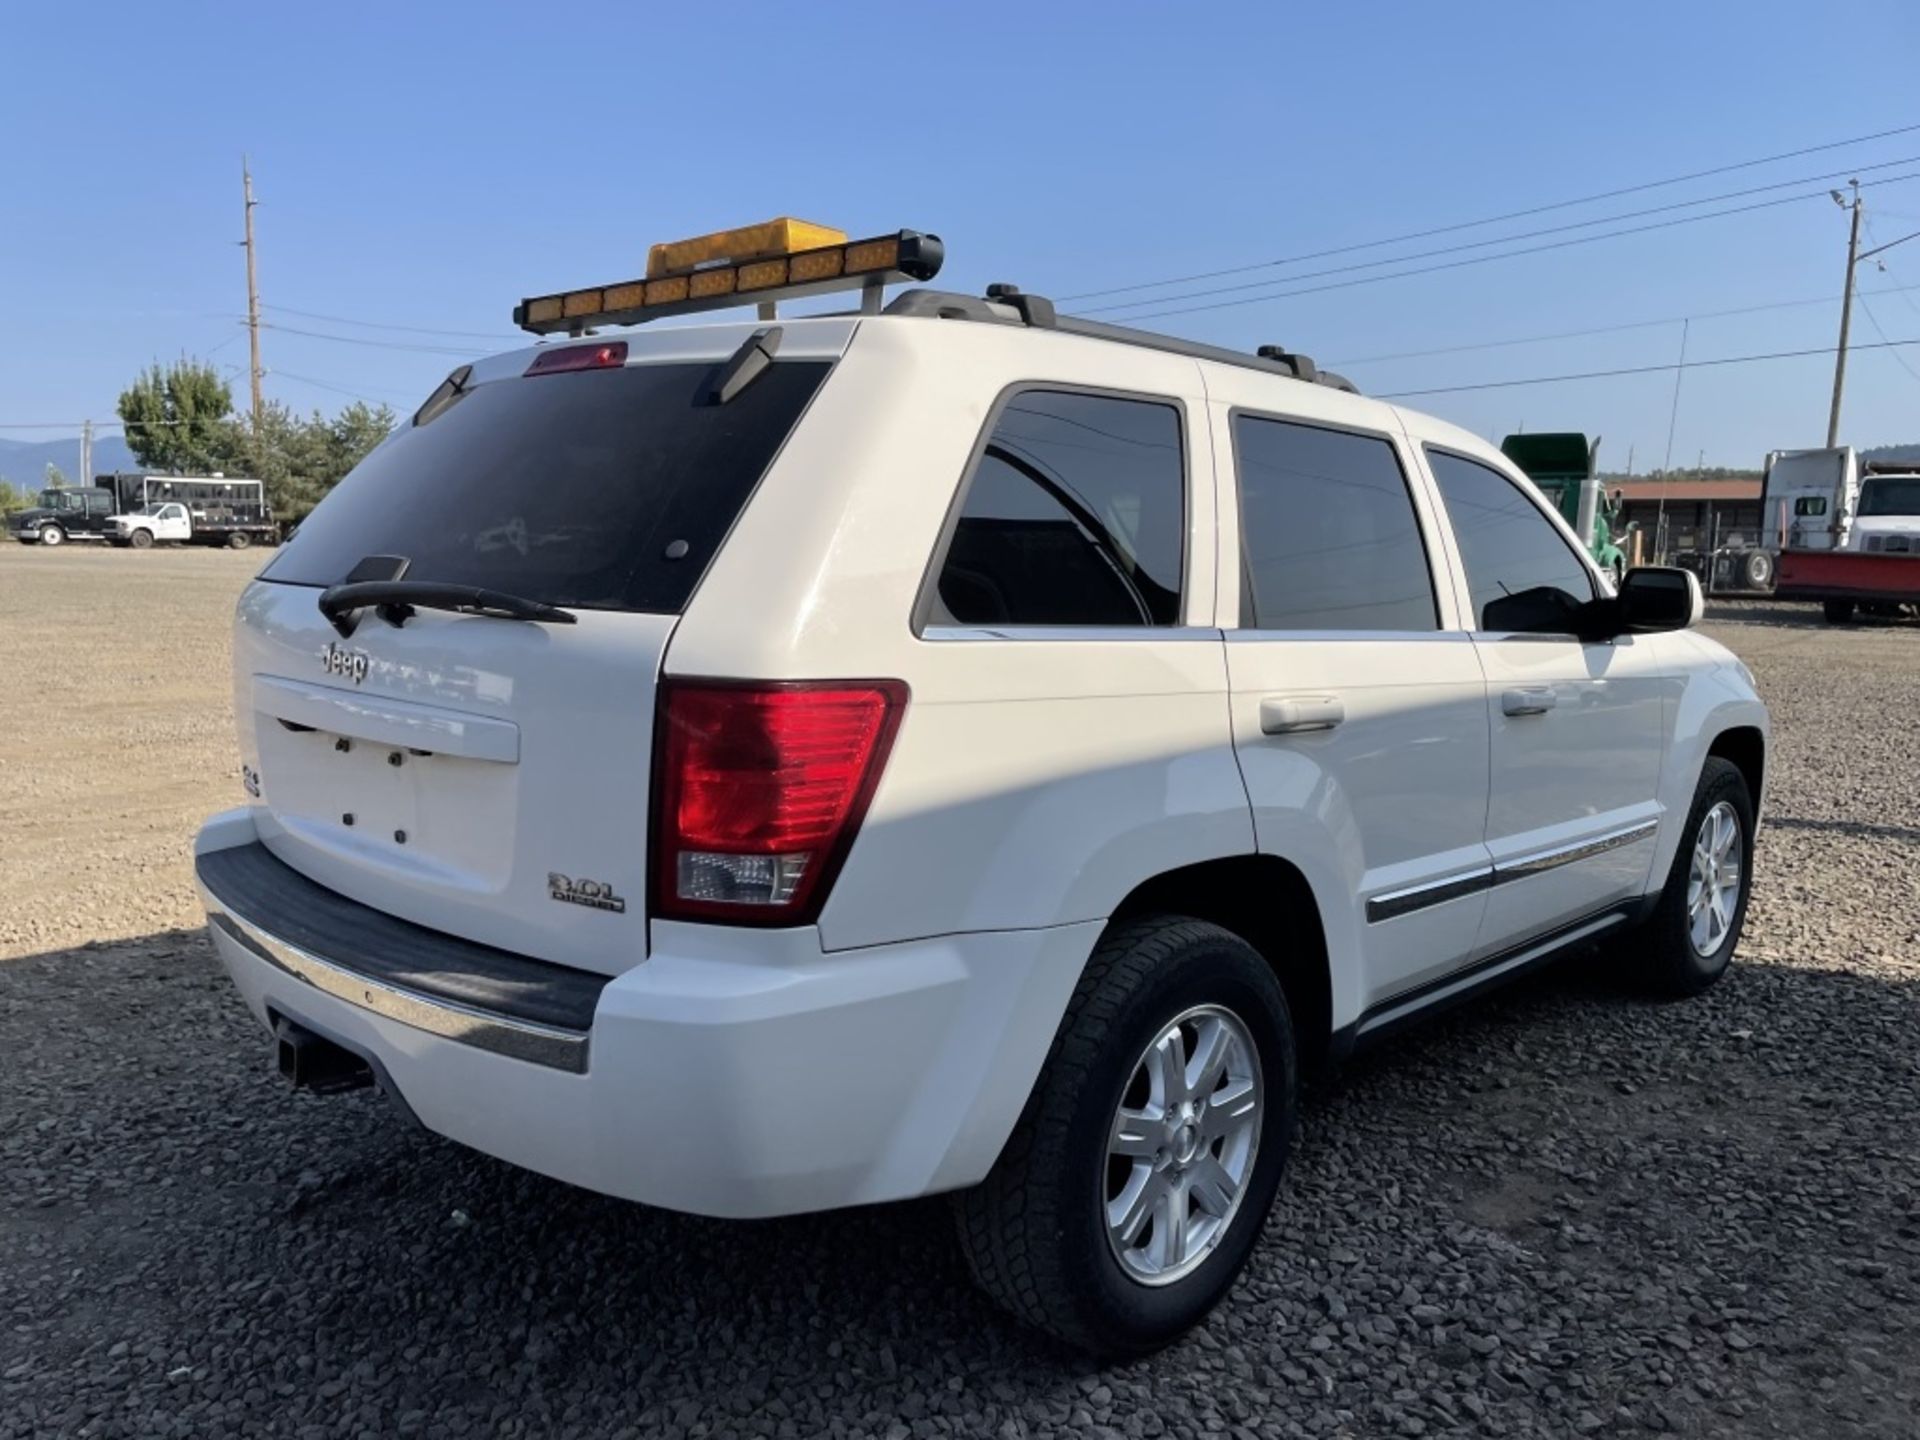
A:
759, 768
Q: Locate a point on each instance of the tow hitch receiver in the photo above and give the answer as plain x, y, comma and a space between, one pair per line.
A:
314, 1063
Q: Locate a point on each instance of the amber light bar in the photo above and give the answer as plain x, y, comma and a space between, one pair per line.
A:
906, 255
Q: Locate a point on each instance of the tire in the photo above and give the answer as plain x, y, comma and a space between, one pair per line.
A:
1035, 1232
1759, 570
52, 535
239, 540
1671, 959
1838, 612
141, 539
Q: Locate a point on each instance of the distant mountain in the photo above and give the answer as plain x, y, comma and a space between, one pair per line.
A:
1900, 454
24, 462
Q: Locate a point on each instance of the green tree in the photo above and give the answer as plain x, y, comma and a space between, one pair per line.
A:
13, 497
301, 459
56, 478
179, 418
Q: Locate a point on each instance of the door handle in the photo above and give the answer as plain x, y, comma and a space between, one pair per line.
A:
1531, 701
1294, 714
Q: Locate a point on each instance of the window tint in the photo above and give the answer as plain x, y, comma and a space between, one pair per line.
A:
1523, 575
602, 489
1810, 505
1327, 531
1075, 516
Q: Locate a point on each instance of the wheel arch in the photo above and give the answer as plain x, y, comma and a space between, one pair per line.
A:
1268, 902
1746, 747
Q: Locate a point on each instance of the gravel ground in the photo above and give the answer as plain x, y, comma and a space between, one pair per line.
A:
1563, 1211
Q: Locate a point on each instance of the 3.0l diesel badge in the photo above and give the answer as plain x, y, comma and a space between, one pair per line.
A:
594, 893
350, 664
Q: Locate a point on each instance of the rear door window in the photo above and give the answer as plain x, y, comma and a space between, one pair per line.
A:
600, 489
1328, 534
1075, 515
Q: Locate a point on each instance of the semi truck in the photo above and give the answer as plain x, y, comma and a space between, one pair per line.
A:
1875, 569
1562, 464
1807, 502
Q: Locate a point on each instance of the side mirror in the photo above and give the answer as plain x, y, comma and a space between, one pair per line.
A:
1657, 598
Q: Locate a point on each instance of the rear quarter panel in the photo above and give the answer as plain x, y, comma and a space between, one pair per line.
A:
1035, 780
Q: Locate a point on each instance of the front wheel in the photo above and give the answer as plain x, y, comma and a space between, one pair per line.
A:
52, 535
1689, 940
140, 539
1135, 1184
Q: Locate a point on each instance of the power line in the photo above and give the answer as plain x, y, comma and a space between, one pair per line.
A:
465, 354
1504, 255
1635, 370
1615, 329
76, 424
328, 385
1509, 239
1492, 219
380, 325
1874, 320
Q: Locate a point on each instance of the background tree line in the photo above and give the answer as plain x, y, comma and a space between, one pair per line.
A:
180, 418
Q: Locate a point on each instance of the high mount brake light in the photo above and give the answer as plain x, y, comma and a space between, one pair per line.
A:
780, 260
579, 357
759, 791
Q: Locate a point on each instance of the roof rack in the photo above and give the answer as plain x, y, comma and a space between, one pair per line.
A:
1009, 305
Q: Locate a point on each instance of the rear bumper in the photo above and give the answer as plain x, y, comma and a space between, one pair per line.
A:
732, 1073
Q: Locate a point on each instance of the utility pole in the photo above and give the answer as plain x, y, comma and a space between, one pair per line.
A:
1846, 311
86, 452
253, 294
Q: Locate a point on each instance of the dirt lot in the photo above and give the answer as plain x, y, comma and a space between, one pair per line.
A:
1562, 1211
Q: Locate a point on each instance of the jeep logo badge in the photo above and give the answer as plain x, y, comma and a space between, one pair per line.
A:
348, 664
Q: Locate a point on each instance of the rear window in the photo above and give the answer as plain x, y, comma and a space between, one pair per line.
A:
601, 489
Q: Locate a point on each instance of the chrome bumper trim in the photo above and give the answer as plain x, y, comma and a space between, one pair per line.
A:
527, 1040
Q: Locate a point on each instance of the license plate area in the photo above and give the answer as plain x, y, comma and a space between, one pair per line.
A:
443, 819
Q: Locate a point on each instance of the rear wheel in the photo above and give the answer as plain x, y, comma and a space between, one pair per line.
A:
1135, 1184
140, 539
239, 540
1759, 568
1838, 612
1688, 942
52, 535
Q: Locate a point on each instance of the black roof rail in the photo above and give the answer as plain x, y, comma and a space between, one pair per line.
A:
1008, 305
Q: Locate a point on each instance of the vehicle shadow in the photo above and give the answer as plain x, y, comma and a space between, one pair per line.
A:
1776, 614
308, 1261
1863, 829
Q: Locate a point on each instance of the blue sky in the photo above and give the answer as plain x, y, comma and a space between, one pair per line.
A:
427, 168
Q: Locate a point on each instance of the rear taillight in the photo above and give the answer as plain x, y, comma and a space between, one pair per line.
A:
759, 791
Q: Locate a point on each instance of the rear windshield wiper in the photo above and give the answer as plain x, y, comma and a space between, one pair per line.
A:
397, 600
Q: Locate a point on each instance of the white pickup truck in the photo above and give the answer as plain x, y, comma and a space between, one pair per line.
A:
171, 520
